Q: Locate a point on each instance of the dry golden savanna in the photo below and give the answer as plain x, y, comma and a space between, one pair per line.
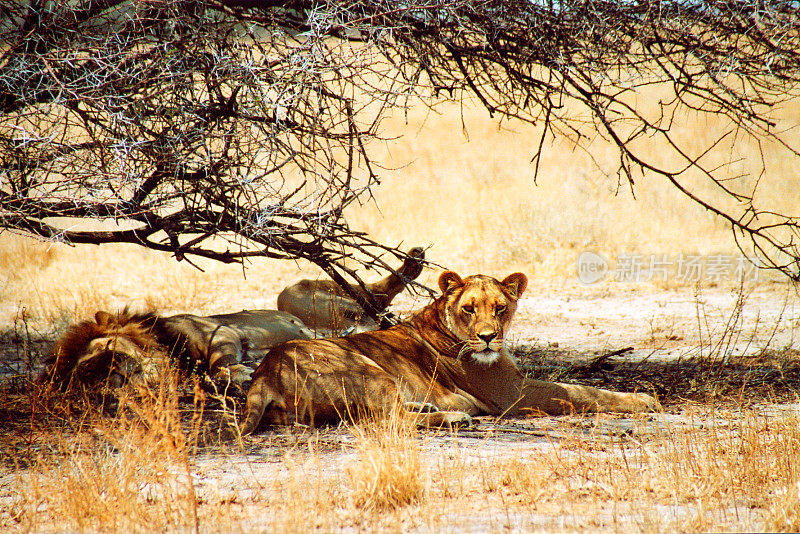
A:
723, 457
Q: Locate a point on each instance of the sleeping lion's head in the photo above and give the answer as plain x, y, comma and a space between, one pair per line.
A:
114, 347
478, 311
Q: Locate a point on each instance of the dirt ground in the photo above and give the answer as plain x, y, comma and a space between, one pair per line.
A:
472, 457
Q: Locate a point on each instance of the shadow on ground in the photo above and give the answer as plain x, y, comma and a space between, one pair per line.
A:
769, 375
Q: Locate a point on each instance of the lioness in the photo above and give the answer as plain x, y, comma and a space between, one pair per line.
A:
128, 346
326, 308
449, 359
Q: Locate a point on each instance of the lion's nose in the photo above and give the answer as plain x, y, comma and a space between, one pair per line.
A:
487, 337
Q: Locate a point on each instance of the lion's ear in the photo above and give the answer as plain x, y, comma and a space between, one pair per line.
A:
103, 318
449, 280
515, 284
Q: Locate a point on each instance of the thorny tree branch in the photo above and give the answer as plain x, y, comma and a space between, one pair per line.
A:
233, 129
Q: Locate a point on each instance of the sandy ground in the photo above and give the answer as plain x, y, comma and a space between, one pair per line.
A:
284, 461
662, 323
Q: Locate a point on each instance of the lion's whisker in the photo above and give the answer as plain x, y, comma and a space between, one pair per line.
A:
465, 349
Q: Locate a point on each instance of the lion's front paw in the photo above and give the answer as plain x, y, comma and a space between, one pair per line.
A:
232, 380
241, 375
420, 407
457, 419
444, 420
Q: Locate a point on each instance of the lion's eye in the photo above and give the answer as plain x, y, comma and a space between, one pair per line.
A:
499, 309
468, 309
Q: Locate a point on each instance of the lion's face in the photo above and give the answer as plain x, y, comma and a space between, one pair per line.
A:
118, 357
479, 309
110, 347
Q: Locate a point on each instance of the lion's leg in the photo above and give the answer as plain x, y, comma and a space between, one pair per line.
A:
385, 290
554, 398
263, 402
225, 361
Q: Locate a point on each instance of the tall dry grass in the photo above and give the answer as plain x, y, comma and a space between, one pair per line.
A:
129, 473
738, 474
390, 472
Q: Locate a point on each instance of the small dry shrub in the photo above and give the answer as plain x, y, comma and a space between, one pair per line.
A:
390, 472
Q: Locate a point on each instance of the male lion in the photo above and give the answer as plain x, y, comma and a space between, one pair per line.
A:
129, 346
326, 308
448, 360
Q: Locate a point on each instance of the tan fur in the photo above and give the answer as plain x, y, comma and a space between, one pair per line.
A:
327, 309
127, 346
448, 359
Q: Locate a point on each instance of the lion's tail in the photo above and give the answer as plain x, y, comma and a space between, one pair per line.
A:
259, 397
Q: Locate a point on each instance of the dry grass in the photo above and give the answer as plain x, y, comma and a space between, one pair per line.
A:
478, 196
110, 477
390, 472
127, 473
738, 474
473, 201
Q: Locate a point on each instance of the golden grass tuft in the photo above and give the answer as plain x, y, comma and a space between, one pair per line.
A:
390, 472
